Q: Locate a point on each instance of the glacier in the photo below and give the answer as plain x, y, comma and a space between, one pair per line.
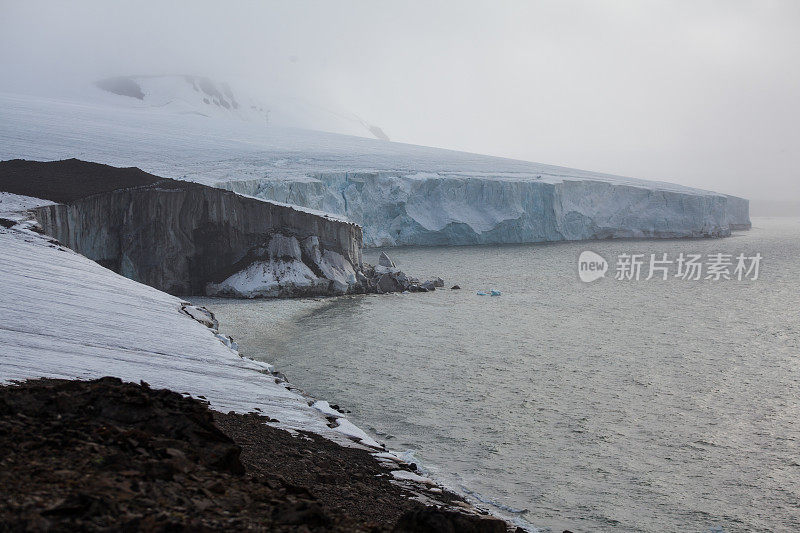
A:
451, 208
400, 194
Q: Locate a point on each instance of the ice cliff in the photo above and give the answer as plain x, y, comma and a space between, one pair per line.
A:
457, 208
186, 238
401, 194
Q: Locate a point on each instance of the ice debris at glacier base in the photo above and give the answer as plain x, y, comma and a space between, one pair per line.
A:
290, 269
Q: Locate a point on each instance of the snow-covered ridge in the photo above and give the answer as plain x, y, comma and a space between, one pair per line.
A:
399, 193
183, 94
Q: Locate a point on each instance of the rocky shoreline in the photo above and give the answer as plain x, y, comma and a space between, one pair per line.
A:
103, 454
385, 277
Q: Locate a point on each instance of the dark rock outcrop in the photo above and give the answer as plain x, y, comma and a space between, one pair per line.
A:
69, 180
389, 283
432, 520
121, 85
104, 455
383, 279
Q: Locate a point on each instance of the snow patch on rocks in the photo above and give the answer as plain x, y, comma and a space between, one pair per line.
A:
324, 407
202, 315
405, 475
347, 428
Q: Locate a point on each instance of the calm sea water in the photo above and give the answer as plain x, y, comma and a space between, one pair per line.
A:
616, 405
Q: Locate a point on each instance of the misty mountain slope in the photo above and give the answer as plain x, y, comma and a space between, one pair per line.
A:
189, 94
401, 194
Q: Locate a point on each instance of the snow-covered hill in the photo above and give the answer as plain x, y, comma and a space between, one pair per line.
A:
400, 193
202, 96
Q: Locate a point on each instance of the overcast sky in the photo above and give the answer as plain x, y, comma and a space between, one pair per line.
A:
703, 93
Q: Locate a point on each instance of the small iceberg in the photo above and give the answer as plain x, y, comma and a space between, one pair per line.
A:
481, 293
495, 293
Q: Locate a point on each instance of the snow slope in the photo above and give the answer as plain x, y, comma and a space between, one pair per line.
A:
65, 316
400, 194
15, 207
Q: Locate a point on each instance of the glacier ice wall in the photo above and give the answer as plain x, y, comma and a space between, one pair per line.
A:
438, 209
400, 193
